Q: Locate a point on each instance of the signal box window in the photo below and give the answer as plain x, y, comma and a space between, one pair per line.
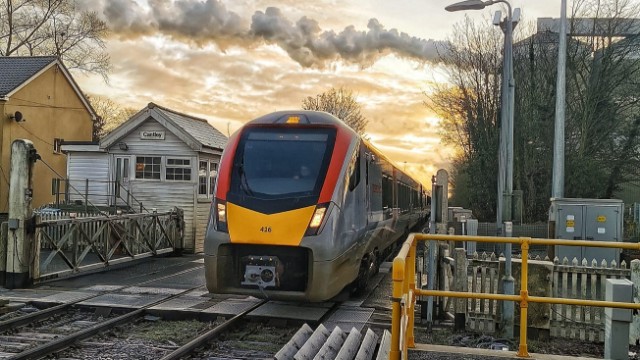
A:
207, 172
178, 169
148, 167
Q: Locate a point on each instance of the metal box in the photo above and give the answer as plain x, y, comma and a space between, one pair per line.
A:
586, 219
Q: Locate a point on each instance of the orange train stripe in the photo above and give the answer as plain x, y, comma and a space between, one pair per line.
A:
224, 173
251, 227
343, 139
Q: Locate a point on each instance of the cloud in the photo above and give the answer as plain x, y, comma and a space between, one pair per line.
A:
210, 22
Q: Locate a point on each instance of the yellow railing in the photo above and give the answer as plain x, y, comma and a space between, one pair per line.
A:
405, 292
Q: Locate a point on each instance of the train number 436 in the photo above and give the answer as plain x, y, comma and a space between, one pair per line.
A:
265, 229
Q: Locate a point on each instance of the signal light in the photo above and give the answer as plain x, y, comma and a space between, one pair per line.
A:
293, 120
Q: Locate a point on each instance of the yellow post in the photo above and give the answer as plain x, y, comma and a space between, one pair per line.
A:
396, 311
524, 294
411, 280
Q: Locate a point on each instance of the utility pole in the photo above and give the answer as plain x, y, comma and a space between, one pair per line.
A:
557, 190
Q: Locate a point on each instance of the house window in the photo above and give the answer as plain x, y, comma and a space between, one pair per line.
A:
207, 172
178, 169
57, 146
148, 167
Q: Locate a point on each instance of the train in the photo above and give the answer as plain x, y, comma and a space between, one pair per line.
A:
304, 208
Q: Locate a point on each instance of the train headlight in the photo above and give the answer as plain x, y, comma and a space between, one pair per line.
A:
317, 219
221, 215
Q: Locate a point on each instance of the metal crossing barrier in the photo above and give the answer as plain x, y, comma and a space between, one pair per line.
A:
405, 292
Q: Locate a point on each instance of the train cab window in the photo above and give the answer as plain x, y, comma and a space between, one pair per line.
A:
275, 163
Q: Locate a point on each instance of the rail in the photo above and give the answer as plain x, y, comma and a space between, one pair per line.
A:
405, 292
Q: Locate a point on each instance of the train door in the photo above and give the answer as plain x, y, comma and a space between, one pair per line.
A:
374, 189
121, 183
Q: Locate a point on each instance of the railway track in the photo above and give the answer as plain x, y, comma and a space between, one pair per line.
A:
58, 328
74, 332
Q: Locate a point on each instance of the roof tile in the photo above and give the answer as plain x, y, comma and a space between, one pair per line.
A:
15, 70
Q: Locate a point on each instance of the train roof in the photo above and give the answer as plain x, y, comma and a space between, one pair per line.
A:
323, 118
305, 117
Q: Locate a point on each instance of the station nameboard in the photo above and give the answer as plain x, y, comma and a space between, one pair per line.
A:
152, 135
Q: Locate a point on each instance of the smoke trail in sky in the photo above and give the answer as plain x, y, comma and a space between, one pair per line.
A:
211, 22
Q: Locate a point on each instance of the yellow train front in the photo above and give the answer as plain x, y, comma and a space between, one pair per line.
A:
304, 208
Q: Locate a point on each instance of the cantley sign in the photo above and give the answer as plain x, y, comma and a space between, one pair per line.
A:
152, 135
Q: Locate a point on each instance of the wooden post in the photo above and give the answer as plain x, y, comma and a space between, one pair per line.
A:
23, 156
460, 284
86, 196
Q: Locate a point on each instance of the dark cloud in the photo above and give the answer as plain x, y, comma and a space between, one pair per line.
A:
304, 40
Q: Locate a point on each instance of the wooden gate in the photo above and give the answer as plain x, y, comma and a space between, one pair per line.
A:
65, 247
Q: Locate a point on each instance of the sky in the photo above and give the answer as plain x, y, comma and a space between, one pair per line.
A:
230, 61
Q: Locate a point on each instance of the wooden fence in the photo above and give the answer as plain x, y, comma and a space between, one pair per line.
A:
66, 244
570, 279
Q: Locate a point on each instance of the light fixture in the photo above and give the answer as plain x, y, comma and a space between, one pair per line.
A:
17, 116
123, 146
468, 5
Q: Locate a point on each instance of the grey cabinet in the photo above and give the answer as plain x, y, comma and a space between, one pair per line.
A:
587, 219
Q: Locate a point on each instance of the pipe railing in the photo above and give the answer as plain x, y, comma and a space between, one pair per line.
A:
405, 292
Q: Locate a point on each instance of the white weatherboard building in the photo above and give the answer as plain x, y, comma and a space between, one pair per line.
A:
162, 158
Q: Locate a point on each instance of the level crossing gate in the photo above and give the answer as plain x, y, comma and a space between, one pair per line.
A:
64, 245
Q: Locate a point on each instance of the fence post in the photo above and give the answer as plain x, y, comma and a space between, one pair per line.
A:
86, 196
460, 256
634, 334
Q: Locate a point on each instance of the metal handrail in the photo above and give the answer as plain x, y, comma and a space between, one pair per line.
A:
405, 292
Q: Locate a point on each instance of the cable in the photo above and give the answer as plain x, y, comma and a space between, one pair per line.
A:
38, 104
39, 138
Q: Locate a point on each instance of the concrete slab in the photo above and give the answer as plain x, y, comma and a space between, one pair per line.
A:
347, 317
463, 352
102, 288
183, 303
292, 311
231, 307
386, 267
65, 297
26, 295
151, 290
123, 300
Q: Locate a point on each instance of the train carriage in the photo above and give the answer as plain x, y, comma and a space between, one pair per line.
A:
303, 208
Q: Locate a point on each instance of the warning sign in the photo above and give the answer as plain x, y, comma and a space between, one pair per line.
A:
571, 223
601, 218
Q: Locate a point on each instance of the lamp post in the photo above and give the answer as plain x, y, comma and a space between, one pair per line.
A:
505, 159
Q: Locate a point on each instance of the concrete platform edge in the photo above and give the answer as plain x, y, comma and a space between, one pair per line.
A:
487, 352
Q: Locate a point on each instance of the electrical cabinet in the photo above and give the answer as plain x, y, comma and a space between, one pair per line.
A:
586, 219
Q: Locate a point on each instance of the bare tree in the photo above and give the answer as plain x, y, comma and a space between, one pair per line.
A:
110, 115
342, 104
469, 108
602, 146
54, 28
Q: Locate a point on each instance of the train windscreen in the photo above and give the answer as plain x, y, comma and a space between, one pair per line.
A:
277, 163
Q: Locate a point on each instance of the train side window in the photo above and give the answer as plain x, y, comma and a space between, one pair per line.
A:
354, 179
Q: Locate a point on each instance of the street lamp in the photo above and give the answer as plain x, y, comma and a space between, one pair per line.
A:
505, 159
